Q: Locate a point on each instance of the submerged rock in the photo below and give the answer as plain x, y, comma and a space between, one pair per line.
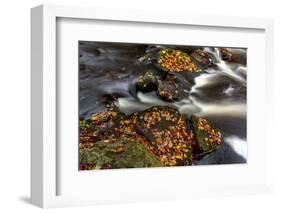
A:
117, 153
147, 82
175, 61
207, 138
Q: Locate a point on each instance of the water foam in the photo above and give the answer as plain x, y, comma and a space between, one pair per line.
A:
239, 145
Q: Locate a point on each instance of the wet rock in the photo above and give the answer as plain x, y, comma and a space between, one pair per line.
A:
168, 89
207, 138
225, 54
165, 134
117, 153
100, 126
202, 57
108, 99
175, 61
147, 82
237, 56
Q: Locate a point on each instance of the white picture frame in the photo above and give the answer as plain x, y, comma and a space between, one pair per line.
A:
44, 154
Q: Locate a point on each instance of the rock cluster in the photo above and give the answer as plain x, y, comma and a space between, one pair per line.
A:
171, 62
166, 87
154, 137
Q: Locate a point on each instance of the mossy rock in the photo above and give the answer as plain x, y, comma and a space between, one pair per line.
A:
156, 118
165, 135
207, 138
147, 82
175, 61
118, 153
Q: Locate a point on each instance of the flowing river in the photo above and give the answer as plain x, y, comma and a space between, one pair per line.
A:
108, 73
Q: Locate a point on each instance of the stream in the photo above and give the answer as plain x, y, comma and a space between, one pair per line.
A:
108, 73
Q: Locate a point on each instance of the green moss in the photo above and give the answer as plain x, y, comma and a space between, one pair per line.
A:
119, 116
122, 153
201, 146
84, 124
165, 51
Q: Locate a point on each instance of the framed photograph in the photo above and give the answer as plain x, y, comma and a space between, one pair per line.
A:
129, 106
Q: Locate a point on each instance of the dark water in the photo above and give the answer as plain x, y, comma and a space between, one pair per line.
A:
108, 72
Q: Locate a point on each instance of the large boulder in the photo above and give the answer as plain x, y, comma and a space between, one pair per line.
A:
161, 130
160, 135
164, 133
117, 153
175, 61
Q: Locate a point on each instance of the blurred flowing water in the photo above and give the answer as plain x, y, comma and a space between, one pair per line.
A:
108, 72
